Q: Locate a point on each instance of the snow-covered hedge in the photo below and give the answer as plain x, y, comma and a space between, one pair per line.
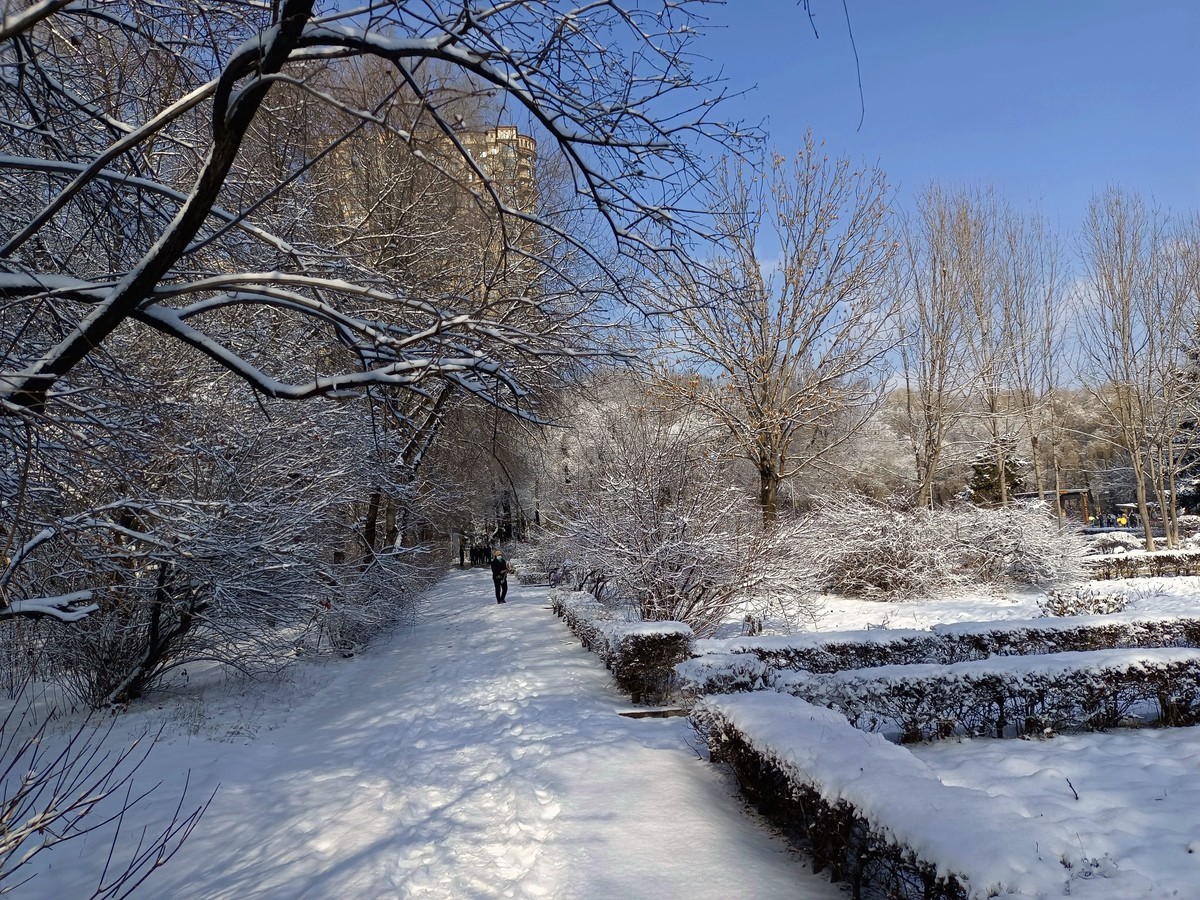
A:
641, 655
851, 798
747, 663
1160, 564
1015, 695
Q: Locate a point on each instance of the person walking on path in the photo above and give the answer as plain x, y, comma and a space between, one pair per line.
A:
500, 570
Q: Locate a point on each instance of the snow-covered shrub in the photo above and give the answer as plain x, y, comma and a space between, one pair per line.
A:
1019, 543
1115, 542
1083, 601
374, 601
585, 616
641, 655
721, 673
862, 548
659, 527
741, 664
807, 769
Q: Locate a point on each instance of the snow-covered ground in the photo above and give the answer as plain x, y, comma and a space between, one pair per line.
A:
478, 754
1127, 802
1176, 596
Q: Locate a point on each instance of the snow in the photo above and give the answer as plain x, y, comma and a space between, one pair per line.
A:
481, 754
1134, 819
478, 754
1132, 832
1152, 596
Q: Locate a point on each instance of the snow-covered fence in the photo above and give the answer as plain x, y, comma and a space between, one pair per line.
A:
641, 655
848, 796
1015, 695
724, 667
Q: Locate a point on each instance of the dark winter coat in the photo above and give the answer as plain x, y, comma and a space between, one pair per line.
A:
499, 567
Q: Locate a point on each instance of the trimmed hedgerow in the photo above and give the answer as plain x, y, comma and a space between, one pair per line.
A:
641, 655
944, 644
1159, 564
1012, 696
846, 797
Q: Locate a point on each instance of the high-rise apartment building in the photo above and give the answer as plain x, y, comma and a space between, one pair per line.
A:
508, 159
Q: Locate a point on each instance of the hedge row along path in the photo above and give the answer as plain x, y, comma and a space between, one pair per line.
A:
477, 754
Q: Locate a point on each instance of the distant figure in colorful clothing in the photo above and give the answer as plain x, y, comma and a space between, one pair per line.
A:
500, 570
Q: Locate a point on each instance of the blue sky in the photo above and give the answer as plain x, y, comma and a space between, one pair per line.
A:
1048, 100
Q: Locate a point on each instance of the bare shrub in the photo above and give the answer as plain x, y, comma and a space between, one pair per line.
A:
860, 548
1083, 601
60, 789
660, 528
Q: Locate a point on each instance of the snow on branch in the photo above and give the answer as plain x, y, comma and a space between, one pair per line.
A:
65, 608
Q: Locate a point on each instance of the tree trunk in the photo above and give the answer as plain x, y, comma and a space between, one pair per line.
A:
768, 491
370, 532
1139, 475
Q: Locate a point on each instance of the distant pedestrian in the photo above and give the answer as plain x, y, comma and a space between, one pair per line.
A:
500, 570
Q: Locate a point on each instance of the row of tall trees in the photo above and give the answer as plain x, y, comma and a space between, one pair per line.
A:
964, 326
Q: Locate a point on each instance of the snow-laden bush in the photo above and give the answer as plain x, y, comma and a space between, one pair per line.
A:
659, 528
1022, 543
1115, 542
1083, 601
371, 602
857, 547
864, 549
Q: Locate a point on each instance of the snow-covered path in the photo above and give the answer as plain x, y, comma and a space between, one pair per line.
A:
476, 755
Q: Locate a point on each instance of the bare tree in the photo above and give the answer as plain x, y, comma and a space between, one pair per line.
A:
1034, 292
934, 347
787, 356
1139, 309
580, 91
176, 217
